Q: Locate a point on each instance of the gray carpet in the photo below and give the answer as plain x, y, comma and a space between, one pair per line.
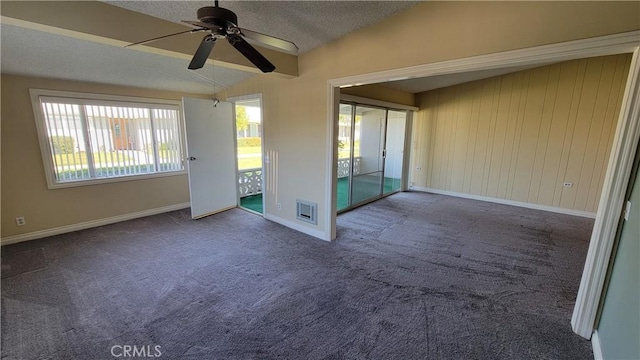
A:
412, 276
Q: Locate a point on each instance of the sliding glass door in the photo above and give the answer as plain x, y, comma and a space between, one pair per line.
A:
345, 155
394, 150
370, 153
368, 143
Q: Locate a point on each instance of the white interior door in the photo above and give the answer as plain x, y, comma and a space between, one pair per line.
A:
211, 156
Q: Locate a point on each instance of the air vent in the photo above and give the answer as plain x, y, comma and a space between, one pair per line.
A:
307, 211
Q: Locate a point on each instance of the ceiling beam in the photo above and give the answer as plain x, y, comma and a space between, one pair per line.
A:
111, 25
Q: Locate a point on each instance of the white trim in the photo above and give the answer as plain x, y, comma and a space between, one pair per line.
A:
331, 185
507, 202
374, 102
233, 100
115, 179
598, 46
623, 151
611, 205
298, 227
406, 151
104, 97
596, 346
90, 224
213, 212
235, 149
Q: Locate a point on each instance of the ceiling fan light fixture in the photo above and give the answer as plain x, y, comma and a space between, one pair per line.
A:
222, 23
217, 16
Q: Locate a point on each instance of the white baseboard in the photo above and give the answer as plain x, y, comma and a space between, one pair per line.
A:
507, 202
298, 227
89, 224
595, 344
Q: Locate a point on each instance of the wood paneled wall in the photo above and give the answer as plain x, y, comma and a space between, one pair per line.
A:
521, 136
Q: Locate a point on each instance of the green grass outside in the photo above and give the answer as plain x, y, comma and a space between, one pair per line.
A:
249, 163
165, 154
80, 158
249, 150
102, 157
105, 172
249, 157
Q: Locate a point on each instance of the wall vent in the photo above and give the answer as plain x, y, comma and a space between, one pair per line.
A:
307, 211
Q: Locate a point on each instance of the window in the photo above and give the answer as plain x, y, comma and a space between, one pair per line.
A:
88, 138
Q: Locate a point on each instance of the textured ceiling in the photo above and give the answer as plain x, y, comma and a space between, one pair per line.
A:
308, 24
35, 53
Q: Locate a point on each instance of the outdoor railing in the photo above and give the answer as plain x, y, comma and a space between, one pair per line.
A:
250, 182
344, 167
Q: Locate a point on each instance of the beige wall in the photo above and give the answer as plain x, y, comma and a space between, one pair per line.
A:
295, 111
24, 186
521, 136
382, 93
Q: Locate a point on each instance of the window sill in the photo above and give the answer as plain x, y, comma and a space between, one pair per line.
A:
61, 185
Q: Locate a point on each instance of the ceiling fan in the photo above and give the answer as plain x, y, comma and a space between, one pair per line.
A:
221, 23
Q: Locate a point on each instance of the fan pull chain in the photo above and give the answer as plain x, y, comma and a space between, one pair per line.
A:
213, 76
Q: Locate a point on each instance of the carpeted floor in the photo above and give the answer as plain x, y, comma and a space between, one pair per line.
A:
412, 276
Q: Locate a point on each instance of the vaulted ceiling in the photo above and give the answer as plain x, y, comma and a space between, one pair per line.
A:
85, 40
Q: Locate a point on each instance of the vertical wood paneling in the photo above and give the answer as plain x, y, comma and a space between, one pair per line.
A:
505, 168
481, 135
568, 136
529, 135
613, 111
500, 133
419, 140
452, 115
558, 129
521, 136
590, 164
463, 121
518, 136
475, 98
542, 145
581, 132
434, 101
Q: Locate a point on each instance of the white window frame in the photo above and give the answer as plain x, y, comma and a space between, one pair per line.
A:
98, 99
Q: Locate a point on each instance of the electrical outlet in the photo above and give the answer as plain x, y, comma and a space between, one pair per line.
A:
568, 184
279, 206
20, 221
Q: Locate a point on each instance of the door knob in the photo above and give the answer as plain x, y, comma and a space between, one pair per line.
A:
191, 158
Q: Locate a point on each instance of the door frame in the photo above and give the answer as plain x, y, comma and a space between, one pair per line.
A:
620, 161
356, 101
408, 129
233, 101
384, 143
